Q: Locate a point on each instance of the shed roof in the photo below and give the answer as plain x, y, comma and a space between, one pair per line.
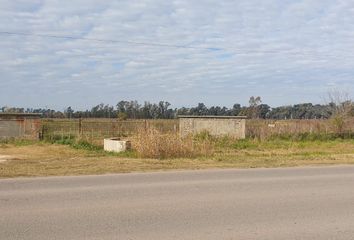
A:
20, 115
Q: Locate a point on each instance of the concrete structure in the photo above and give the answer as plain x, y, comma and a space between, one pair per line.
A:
233, 126
116, 145
20, 125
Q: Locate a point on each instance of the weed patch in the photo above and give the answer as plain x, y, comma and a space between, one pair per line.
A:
153, 144
75, 143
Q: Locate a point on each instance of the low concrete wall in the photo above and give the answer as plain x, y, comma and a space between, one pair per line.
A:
17, 125
116, 145
215, 125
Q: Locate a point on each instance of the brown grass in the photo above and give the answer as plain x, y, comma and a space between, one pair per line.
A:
266, 129
152, 143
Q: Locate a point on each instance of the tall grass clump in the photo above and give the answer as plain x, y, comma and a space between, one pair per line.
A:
151, 143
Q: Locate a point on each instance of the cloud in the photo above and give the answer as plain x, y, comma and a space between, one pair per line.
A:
285, 51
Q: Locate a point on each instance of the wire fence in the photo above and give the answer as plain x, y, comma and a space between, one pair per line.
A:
97, 129
265, 129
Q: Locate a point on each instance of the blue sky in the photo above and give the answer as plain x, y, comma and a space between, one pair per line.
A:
287, 51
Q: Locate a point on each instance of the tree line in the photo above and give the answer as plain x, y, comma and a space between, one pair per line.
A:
162, 110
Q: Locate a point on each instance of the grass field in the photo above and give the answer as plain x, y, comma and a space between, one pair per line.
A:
26, 158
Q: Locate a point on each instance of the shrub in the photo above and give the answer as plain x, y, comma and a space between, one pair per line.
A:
122, 116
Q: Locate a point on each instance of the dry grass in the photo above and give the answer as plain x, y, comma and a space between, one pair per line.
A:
62, 160
266, 129
152, 143
44, 159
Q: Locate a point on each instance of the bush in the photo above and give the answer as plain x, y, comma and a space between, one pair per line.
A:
122, 116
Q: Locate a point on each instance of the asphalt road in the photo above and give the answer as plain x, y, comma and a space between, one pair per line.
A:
296, 203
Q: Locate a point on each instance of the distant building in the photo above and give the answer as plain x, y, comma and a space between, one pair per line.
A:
20, 125
233, 126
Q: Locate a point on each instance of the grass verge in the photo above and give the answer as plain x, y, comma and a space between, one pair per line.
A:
69, 157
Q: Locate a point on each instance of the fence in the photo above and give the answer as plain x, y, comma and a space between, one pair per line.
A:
264, 129
97, 129
94, 130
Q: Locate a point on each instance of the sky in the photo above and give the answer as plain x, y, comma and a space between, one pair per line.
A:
181, 51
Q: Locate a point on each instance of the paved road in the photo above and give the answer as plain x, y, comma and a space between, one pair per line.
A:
297, 203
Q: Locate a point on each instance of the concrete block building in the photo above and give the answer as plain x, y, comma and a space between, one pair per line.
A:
20, 125
233, 126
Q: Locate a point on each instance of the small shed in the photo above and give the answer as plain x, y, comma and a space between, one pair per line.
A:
233, 126
20, 125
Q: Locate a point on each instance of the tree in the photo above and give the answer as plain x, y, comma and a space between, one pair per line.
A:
236, 109
122, 106
263, 111
68, 112
342, 109
253, 110
163, 109
201, 109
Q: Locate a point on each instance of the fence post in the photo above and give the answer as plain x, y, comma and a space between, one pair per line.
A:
113, 128
80, 127
119, 128
42, 132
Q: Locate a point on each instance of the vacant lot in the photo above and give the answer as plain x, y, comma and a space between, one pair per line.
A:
46, 159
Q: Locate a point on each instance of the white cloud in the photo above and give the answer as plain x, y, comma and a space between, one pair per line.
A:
298, 48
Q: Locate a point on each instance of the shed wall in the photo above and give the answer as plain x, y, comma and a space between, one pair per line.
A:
20, 128
217, 127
